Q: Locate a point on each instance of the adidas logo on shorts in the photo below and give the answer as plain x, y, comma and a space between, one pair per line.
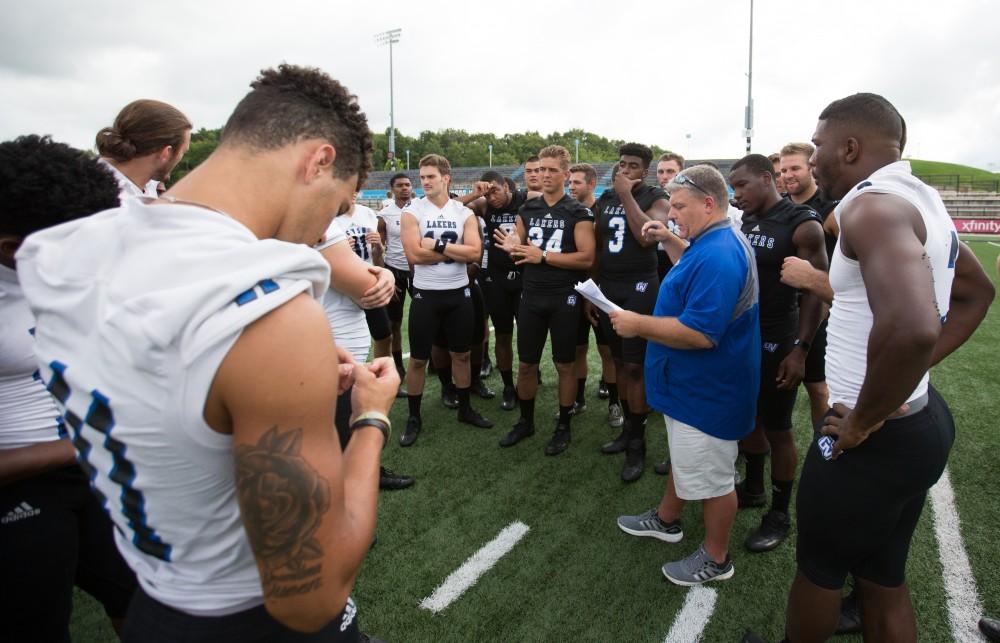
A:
350, 611
20, 512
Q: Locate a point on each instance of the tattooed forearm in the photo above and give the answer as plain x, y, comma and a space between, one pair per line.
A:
283, 501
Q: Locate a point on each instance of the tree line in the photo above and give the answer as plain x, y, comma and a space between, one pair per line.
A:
463, 149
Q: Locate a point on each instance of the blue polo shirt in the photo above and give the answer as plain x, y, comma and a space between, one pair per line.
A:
713, 289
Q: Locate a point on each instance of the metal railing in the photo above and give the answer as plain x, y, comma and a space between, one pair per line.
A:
960, 182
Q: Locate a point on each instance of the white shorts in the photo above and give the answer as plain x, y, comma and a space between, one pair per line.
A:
702, 466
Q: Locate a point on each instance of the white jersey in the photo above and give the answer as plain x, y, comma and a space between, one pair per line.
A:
447, 223
126, 188
347, 319
136, 307
851, 316
28, 415
356, 224
395, 257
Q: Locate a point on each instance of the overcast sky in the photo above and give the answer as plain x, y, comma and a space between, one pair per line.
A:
654, 71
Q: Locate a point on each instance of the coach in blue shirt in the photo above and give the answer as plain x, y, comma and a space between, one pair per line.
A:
702, 369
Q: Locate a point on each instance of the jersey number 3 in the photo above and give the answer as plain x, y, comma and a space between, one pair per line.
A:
617, 240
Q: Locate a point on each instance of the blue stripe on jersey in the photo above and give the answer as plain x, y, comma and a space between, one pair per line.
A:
246, 297
268, 286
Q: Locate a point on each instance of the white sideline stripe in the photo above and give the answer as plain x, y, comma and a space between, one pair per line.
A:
994, 243
964, 606
407, 355
478, 564
690, 622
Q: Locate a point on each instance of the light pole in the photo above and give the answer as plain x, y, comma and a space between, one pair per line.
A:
748, 129
390, 38
407, 159
490, 146
576, 142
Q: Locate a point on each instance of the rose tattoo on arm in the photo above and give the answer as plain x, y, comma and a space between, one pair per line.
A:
283, 500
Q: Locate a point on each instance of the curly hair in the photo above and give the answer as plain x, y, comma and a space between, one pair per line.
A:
142, 127
291, 103
637, 149
44, 183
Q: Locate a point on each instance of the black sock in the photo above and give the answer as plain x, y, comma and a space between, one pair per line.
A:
476, 368
444, 375
625, 410
755, 472
781, 495
613, 393
564, 414
528, 411
581, 390
397, 357
463, 400
414, 403
638, 423
508, 378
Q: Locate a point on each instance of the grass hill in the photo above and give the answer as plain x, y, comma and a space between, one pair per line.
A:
937, 167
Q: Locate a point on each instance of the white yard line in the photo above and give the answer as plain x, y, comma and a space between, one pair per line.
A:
994, 243
964, 606
478, 564
690, 622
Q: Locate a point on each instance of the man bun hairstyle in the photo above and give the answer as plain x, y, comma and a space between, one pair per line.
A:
292, 103
438, 161
44, 183
868, 111
589, 173
556, 152
638, 149
142, 127
755, 164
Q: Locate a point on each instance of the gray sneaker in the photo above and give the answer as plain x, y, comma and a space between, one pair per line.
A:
615, 416
697, 568
648, 524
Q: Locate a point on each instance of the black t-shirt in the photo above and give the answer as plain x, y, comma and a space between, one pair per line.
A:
824, 208
505, 219
770, 235
552, 229
620, 254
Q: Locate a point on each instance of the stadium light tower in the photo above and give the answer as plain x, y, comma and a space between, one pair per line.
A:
390, 38
748, 129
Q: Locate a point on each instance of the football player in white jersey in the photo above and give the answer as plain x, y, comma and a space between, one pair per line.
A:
53, 531
440, 236
146, 141
202, 407
395, 261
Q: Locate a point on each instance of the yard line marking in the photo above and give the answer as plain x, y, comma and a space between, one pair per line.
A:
478, 564
690, 622
994, 243
964, 606
407, 355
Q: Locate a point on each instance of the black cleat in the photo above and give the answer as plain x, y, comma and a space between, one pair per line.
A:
520, 431
368, 638
390, 480
449, 397
746, 499
617, 445
409, 436
751, 637
635, 460
602, 390
479, 388
662, 468
990, 627
559, 441
773, 531
509, 398
473, 417
850, 615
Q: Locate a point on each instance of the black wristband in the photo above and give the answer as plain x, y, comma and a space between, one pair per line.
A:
439, 246
375, 422
804, 345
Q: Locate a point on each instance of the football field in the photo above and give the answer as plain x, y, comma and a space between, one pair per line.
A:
511, 545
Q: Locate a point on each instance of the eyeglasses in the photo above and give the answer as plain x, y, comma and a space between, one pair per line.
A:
683, 179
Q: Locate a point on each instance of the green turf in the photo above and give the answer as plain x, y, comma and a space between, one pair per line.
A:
575, 576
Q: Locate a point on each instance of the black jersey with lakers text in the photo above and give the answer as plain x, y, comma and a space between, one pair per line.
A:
505, 219
619, 253
552, 229
770, 234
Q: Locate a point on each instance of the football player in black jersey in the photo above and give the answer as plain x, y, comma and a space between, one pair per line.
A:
802, 188
776, 228
533, 173
554, 242
626, 269
497, 205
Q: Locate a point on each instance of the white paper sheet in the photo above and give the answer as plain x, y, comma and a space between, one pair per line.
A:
592, 292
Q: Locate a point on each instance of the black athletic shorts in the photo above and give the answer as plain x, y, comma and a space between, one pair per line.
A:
856, 514
503, 296
395, 305
378, 323
774, 406
816, 359
445, 313
54, 535
542, 314
663, 263
638, 296
150, 621
584, 328
478, 313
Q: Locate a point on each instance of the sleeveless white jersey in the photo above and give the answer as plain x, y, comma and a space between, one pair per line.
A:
395, 257
28, 415
347, 319
447, 223
136, 307
359, 222
484, 234
126, 188
851, 316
